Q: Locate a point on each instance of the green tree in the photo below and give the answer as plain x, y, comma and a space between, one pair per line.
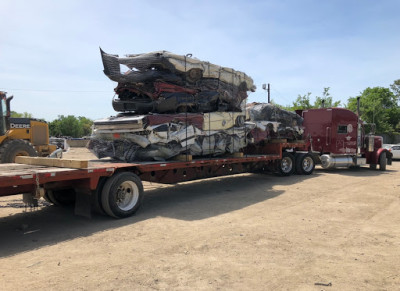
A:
70, 126
304, 102
86, 125
21, 115
378, 105
326, 100
396, 89
54, 128
301, 102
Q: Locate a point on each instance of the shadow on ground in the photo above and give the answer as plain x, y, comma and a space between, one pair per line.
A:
189, 201
355, 171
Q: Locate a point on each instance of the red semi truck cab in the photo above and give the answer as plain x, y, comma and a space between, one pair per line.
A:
339, 139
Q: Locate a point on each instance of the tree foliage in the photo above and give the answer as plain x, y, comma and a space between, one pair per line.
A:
19, 115
304, 101
326, 100
396, 89
378, 105
70, 126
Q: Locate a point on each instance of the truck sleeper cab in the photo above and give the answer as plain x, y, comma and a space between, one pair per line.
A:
339, 139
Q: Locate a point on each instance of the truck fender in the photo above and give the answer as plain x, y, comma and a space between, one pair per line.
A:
375, 156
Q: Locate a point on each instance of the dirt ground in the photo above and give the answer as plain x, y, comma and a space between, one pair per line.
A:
245, 232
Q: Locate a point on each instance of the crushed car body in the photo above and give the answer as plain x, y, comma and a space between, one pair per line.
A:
171, 104
163, 82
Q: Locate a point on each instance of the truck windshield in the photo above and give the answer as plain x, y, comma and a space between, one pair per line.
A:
3, 116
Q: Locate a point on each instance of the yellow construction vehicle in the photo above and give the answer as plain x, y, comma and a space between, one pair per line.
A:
21, 136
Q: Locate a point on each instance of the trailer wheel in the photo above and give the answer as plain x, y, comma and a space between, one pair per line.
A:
64, 197
47, 198
305, 164
382, 161
96, 197
286, 165
122, 195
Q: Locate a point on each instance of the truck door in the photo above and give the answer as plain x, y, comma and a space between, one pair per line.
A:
346, 139
328, 137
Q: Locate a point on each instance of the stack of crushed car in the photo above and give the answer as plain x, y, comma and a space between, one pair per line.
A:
170, 104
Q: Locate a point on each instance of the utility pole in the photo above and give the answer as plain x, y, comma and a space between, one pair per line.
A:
264, 86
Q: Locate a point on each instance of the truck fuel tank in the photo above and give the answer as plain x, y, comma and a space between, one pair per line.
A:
330, 162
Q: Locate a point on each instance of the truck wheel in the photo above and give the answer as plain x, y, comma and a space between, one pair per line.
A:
122, 195
16, 147
372, 166
286, 165
305, 164
64, 197
382, 162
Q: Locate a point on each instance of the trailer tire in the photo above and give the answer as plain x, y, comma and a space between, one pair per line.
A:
122, 195
305, 164
286, 165
96, 197
16, 147
47, 198
64, 197
382, 161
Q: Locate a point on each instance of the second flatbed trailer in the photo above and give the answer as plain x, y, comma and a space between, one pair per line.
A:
116, 188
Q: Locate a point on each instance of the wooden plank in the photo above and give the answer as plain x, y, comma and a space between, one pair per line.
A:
236, 155
61, 163
280, 140
183, 158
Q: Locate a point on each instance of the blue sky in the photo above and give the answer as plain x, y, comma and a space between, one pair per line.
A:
50, 60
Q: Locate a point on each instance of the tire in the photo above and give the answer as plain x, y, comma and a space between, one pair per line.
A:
122, 195
96, 197
16, 147
47, 198
286, 165
64, 197
382, 161
305, 164
372, 166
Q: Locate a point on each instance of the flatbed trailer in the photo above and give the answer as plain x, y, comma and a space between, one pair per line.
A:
116, 188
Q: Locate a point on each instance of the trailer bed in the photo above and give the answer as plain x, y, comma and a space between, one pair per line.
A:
106, 184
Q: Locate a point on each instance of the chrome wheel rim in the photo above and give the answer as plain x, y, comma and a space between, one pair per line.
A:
127, 195
286, 165
307, 164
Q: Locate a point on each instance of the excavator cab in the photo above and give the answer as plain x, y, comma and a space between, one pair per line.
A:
3, 114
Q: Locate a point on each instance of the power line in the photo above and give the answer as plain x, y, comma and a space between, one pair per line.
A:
63, 91
280, 95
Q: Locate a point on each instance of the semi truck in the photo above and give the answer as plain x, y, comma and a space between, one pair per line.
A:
334, 137
341, 139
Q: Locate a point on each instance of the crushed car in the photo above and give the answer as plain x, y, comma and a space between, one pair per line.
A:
163, 82
171, 104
